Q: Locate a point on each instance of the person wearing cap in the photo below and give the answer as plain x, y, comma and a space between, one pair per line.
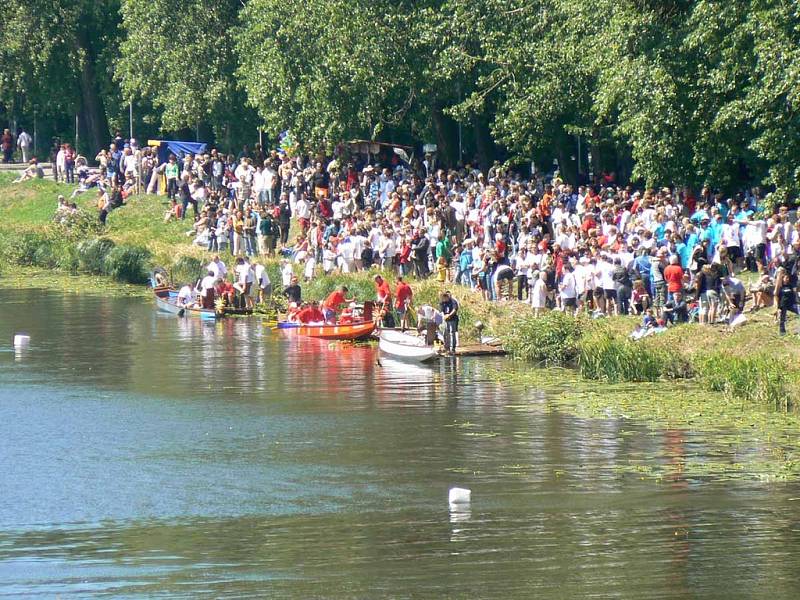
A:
673, 275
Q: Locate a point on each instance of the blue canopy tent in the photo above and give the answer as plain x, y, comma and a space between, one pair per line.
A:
158, 183
179, 149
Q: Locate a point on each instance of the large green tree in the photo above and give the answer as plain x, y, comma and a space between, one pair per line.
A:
56, 56
178, 57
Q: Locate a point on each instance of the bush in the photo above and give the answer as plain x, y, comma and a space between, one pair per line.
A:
608, 356
33, 248
68, 259
92, 254
186, 269
551, 339
129, 264
758, 378
359, 285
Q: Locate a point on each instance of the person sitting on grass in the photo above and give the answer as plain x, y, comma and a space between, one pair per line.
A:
762, 291
676, 310
33, 171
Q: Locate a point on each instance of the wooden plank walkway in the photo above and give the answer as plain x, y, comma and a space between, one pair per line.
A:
479, 350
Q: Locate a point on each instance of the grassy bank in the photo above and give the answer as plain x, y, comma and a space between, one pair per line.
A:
752, 363
136, 238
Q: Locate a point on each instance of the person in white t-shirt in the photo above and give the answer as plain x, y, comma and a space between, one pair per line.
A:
244, 280
207, 289
185, 296
262, 281
568, 290
217, 268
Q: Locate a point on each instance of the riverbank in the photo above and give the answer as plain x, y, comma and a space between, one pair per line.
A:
751, 363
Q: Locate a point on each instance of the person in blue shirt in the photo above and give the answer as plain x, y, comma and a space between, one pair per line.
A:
715, 231
465, 265
700, 215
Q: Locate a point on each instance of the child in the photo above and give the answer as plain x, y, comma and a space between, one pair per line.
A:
311, 264
441, 269
173, 212
328, 259
640, 299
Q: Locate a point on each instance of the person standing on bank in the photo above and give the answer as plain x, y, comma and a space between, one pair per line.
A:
449, 309
24, 143
785, 292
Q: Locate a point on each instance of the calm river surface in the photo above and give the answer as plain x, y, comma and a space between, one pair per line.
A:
144, 455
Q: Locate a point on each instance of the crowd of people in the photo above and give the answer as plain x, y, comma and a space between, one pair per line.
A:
670, 254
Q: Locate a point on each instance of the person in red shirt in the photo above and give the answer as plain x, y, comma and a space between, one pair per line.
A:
384, 292
224, 289
331, 304
310, 313
403, 302
673, 275
499, 245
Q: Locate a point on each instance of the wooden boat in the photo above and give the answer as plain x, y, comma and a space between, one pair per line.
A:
407, 347
167, 301
350, 331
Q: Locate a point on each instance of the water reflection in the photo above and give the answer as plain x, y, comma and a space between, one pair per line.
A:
149, 455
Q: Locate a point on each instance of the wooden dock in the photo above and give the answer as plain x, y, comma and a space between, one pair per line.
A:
479, 350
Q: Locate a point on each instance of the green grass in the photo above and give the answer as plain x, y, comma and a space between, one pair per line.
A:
138, 239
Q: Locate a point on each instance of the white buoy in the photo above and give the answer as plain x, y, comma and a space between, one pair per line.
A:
21, 340
459, 496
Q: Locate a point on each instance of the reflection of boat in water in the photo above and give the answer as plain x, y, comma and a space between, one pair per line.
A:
167, 301
350, 331
406, 347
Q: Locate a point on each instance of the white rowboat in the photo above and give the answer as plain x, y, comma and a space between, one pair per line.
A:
404, 346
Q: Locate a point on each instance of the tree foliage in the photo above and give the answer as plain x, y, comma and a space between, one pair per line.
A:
179, 56
680, 91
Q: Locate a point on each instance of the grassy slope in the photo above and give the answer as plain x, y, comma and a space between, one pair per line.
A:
140, 222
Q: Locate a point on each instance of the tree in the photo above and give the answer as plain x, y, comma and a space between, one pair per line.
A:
55, 55
179, 56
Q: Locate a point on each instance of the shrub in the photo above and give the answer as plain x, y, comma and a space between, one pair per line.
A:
68, 259
758, 378
186, 269
551, 339
92, 254
360, 286
608, 356
129, 264
33, 248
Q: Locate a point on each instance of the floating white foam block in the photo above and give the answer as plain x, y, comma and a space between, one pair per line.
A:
459, 496
21, 340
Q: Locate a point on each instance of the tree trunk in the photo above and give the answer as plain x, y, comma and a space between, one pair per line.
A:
566, 159
484, 145
443, 128
93, 119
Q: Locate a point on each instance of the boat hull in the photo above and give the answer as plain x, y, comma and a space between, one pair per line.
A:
167, 301
406, 347
355, 331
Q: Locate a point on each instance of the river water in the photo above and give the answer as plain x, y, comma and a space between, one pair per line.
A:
145, 455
